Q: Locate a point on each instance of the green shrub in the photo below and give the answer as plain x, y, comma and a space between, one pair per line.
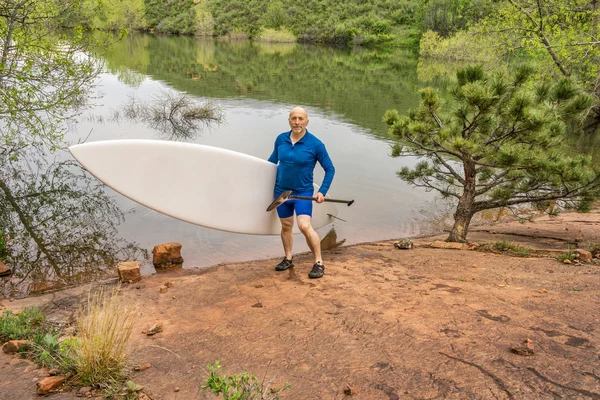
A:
276, 36
239, 387
23, 325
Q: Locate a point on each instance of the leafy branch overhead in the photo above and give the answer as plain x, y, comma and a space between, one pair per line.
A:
501, 143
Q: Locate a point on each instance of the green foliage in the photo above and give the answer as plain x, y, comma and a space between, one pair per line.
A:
446, 17
277, 36
42, 54
23, 325
562, 35
569, 255
46, 350
114, 15
239, 387
509, 248
502, 142
178, 17
342, 23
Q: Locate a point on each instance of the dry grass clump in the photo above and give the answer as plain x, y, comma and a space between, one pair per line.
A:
105, 324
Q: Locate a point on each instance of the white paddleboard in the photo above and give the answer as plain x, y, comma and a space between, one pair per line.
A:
203, 185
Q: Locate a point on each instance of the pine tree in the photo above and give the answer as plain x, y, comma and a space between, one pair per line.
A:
502, 144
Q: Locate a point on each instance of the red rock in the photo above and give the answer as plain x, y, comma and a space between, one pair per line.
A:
14, 346
167, 254
129, 271
143, 367
46, 385
583, 254
4, 270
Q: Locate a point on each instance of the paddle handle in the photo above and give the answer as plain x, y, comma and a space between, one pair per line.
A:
348, 202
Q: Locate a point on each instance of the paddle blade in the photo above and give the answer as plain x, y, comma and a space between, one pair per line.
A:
279, 200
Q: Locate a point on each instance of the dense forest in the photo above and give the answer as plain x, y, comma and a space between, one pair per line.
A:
349, 22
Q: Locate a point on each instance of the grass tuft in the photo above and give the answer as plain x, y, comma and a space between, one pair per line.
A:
105, 325
508, 248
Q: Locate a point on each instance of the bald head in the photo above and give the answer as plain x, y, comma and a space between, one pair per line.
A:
298, 121
299, 110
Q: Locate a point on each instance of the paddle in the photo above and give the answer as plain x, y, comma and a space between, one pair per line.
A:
285, 196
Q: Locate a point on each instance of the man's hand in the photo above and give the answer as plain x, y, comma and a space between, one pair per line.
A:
320, 197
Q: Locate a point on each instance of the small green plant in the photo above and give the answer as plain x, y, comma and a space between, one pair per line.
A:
509, 248
23, 325
569, 255
46, 350
122, 391
240, 387
577, 289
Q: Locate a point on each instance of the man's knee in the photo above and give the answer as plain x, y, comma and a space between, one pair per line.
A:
304, 225
287, 224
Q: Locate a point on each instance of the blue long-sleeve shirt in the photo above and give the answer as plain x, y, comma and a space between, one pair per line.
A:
296, 163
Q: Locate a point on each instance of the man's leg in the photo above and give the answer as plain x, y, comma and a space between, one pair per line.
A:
312, 237
287, 238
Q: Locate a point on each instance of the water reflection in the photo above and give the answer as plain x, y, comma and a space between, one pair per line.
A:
58, 225
359, 84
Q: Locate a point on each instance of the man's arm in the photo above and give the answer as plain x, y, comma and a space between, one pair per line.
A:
327, 165
275, 155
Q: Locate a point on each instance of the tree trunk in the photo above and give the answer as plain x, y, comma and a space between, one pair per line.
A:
464, 210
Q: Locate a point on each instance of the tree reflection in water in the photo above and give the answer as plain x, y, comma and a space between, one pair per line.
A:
58, 225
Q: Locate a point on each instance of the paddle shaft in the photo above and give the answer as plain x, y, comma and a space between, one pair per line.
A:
348, 202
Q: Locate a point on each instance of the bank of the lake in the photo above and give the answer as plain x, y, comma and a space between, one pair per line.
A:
382, 322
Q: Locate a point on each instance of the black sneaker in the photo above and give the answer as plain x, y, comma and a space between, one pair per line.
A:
318, 271
284, 264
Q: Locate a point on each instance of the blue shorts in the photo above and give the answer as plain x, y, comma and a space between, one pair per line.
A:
302, 207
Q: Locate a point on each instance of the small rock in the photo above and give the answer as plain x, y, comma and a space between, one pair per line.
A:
13, 346
583, 255
404, 244
84, 391
46, 385
167, 254
169, 284
257, 305
155, 329
4, 270
567, 261
129, 271
70, 331
163, 289
349, 390
543, 290
53, 372
143, 367
526, 349
177, 388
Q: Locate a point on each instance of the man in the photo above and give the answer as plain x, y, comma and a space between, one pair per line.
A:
296, 154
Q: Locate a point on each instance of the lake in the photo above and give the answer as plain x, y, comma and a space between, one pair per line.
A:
346, 93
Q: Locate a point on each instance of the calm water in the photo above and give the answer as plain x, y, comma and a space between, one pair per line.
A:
345, 92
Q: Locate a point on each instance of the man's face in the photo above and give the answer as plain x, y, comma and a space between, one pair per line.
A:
298, 121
